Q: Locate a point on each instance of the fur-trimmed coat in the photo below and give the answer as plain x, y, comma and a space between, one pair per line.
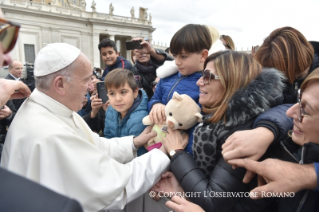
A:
246, 104
218, 176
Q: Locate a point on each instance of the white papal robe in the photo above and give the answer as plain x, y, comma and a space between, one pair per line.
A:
52, 145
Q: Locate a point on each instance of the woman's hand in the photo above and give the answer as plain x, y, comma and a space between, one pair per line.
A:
179, 204
157, 114
175, 139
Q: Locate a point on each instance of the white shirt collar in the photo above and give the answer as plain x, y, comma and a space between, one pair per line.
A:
17, 79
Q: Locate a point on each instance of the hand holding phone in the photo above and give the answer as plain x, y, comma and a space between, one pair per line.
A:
102, 94
135, 44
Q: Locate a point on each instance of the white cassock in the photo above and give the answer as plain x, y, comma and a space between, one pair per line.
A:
52, 145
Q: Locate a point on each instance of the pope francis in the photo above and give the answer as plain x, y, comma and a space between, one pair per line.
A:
49, 143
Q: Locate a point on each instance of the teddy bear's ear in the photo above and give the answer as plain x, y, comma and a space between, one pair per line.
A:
147, 121
177, 96
199, 117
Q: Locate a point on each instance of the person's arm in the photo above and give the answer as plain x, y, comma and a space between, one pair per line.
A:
145, 171
254, 143
156, 107
276, 120
11, 89
281, 176
167, 57
148, 49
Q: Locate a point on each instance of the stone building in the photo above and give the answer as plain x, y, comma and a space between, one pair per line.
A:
50, 21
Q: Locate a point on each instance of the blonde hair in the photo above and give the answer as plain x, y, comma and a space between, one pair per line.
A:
236, 70
214, 33
312, 77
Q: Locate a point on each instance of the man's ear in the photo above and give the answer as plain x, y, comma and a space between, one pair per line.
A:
118, 54
204, 55
59, 85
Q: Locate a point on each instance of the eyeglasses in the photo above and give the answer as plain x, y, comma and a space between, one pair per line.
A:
302, 112
208, 76
9, 32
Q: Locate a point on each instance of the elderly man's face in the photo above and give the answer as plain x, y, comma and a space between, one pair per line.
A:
80, 83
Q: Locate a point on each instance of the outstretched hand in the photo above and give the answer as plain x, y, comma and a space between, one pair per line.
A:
280, 176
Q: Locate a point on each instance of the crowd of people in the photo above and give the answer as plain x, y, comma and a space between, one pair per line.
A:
64, 148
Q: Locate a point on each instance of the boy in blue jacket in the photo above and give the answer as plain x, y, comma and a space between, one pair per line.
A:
128, 106
189, 47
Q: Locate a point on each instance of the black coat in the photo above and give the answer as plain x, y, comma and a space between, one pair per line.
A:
20, 194
243, 107
4, 123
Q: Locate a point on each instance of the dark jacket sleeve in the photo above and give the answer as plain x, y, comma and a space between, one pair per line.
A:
223, 191
223, 178
158, 63
276, 120
20, 194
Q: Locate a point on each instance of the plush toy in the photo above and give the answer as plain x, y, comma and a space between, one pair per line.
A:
181, 113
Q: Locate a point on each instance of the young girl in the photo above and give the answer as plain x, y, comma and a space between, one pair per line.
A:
189, 47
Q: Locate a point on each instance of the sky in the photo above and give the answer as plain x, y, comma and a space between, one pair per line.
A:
248, 22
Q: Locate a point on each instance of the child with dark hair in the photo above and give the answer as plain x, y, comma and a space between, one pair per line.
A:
189, 47
128, 106
111, 57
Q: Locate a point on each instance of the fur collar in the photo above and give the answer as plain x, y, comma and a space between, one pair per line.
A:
261, 94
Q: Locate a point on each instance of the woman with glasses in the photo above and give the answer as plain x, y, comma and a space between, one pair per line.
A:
234, 89
287, 50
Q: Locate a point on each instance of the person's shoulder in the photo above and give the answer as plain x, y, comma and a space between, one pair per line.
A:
9, 77
127, 63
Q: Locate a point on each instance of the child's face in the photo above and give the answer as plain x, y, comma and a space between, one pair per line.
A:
108, 55
189, 63
122, 98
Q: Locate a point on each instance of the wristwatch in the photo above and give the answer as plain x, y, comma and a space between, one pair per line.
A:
173, 152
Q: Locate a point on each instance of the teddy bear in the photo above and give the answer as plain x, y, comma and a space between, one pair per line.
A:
181, 113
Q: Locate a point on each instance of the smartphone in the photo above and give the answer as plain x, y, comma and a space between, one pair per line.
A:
101, 91
131, 45
138, 81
